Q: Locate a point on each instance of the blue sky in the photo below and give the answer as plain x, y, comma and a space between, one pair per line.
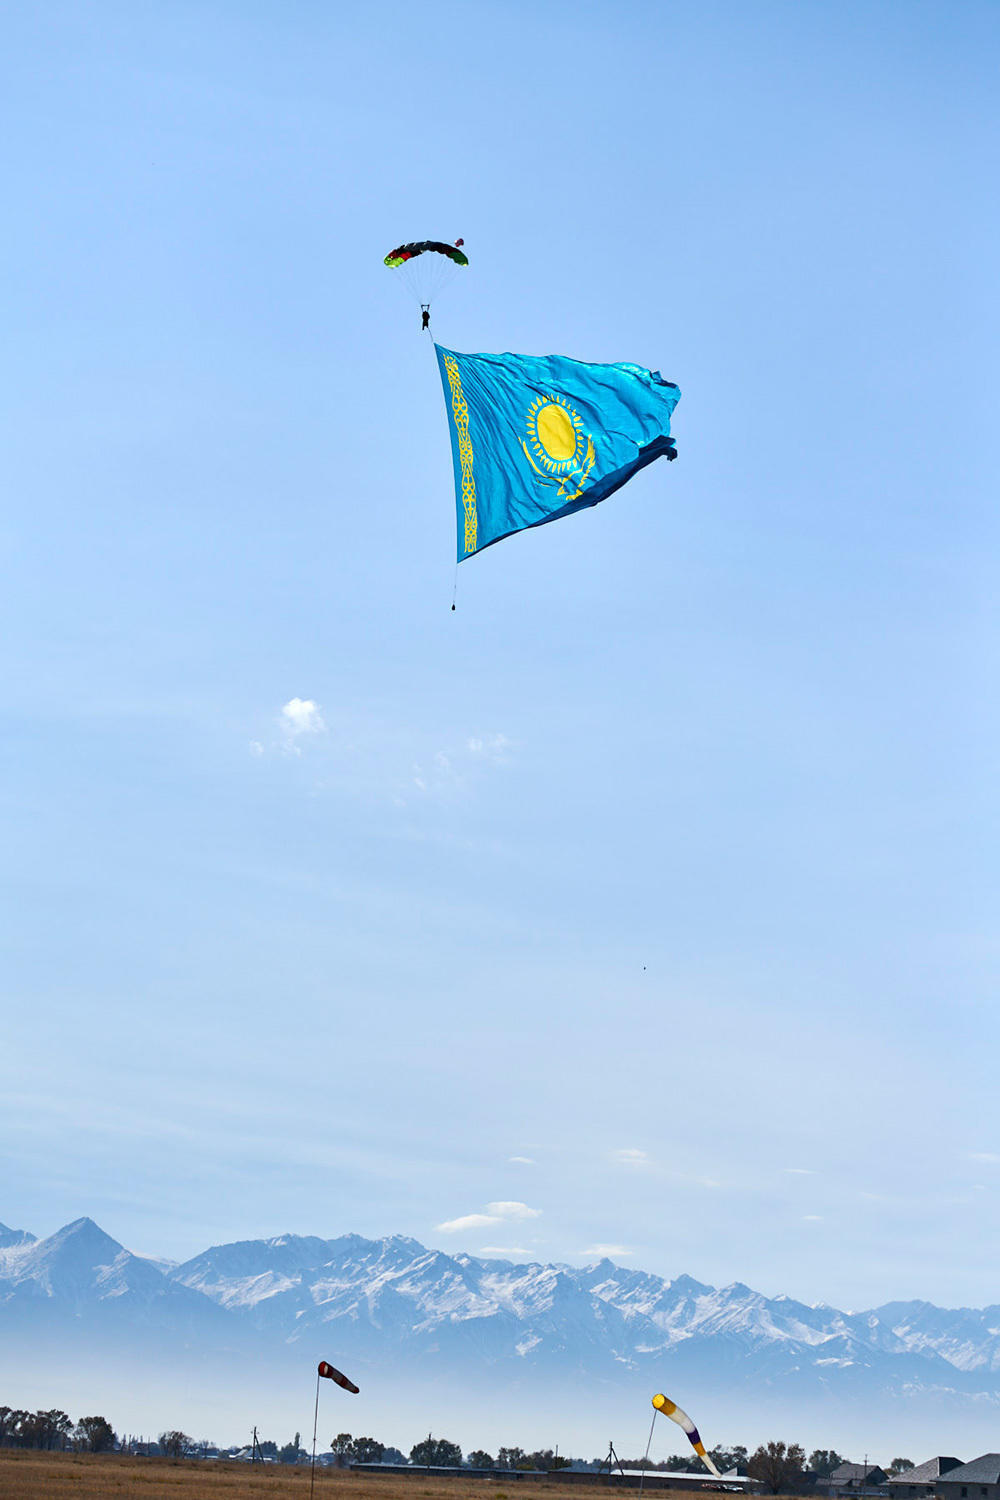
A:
654, 889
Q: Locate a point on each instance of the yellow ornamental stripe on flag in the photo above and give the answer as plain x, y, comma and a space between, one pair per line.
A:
461, 414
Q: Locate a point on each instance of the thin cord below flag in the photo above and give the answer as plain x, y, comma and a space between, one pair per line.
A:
454, 590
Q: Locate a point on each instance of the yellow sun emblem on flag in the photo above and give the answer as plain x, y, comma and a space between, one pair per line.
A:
558, 449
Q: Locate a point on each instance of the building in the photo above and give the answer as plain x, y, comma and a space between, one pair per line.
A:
622, 1479
449, 1471
656, 1479
857, 1479
918, 1483
978, 1480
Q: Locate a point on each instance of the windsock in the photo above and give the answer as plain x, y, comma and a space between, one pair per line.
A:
329, 1373
672, 1410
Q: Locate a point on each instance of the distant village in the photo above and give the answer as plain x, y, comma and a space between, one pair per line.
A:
773, 1468
771, 1471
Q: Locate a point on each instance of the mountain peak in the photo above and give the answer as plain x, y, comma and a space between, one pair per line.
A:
10, 1239
685, 1283
82, 1267
81, 1238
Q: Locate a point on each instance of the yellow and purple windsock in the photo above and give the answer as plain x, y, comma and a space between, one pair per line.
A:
672, 1410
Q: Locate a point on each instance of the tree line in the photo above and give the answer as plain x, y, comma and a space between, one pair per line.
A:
55, 1430
779, 1467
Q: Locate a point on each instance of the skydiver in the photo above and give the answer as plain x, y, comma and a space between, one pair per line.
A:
425, 314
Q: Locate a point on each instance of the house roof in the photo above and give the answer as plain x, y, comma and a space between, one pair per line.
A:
926, 1473
845, 1472
982, 1470
681, 1475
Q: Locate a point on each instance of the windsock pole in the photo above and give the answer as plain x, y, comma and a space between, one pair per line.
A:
649, 1444
312, 1471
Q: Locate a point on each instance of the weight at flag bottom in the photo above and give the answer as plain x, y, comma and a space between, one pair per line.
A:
328, 1372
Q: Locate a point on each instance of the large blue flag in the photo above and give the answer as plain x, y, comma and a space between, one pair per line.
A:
535, 438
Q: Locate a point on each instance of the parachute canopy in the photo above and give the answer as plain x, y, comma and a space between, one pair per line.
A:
425, 267
403, 253
670, 1409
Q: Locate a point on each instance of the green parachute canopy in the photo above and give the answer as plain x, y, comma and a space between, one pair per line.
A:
425, 267
403, 253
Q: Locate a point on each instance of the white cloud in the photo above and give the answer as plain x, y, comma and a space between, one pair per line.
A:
506, 1210
504, 1250
522, 1161
298, 717
813, 1218
496, 1213
987, 1156
455, 769
631, 1156
467, 1221
491, 746
301, 716
607, 1251
799, 1171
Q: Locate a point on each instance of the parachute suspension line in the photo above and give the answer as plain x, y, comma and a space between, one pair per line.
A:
425, 267
645, 1456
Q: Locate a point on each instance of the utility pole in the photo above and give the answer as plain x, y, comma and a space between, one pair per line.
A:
613, 1459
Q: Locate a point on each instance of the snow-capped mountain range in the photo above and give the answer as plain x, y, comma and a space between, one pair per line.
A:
394, 1304
396, 1293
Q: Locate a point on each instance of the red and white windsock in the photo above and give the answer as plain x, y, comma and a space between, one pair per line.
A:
327, 1372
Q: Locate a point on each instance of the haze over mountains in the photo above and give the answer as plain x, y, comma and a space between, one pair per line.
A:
483, 1351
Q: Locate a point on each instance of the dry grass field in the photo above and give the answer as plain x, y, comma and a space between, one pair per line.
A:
76, 1476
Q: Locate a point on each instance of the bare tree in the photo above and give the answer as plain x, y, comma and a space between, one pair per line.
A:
436, 1453
823, 1461
94, 1435
44, 1429
174, 1444
777, 1466
368, 1450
